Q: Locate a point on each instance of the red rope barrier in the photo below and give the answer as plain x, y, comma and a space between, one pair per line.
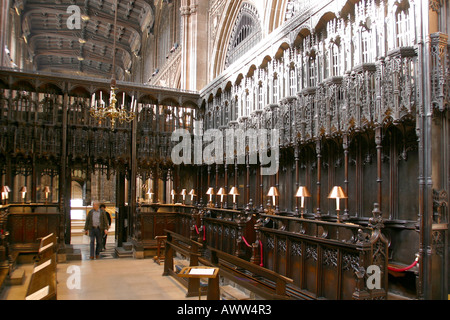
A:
260, 246
405, 268
243, 238
196, 229
261, 252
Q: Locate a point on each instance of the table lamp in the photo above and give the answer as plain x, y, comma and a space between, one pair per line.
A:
302, 193
337, 193
210, 192
221, 193
183, 193
234, 192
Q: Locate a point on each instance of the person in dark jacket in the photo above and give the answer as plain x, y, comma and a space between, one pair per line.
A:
108, 216
97, 225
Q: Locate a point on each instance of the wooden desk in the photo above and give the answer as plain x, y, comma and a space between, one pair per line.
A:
210, 273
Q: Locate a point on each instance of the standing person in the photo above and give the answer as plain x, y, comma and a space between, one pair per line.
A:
97, 225
108, 216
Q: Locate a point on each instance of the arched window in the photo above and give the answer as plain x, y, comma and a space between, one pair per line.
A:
246, 33
402, 28
335, 60
365, 46
312, 69
260, 97
275, 89
292, 82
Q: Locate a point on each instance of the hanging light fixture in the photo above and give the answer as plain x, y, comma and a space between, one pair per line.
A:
99, 109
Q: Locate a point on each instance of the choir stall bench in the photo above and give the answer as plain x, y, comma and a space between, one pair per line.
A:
43, 280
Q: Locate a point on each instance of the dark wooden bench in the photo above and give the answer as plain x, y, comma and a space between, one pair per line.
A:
160, 244
263, 282
42, 284
47, 247
189, 249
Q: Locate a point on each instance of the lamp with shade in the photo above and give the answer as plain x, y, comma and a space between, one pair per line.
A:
273, 192
210, 192
337, 193
46, 193
23, 193
221, 193
5, 193
192, 194
183, 193
302, 193
150, 195
173, 194
234, 192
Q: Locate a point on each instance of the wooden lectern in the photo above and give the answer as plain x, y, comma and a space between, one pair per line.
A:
210, 273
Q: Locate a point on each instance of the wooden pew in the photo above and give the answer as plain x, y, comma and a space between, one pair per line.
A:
264, 282
47, 247
189, 249
43, 280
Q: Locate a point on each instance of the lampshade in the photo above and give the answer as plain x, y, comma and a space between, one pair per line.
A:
46, 189
192, 192
221, 192
210, 191
337, 193
5, 189
234, 191
23, 189
150, 191
183, 192
273, 192
302, 192
173, 193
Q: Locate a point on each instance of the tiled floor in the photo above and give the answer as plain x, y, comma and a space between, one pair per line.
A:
107, 278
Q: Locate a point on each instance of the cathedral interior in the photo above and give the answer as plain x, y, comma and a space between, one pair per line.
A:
299, 147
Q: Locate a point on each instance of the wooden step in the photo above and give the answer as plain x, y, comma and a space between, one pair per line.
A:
229, 292
122, 252
16, 277
74, 255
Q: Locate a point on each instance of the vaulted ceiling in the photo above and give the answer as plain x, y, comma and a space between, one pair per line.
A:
86, 49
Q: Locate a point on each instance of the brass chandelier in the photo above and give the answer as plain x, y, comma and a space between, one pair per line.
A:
99, 110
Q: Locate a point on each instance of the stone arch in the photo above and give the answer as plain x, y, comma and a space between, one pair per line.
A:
245, 34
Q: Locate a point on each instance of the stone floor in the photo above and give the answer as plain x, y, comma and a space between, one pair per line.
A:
107, 278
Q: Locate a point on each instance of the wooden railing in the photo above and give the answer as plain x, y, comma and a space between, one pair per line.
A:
150, 221
28, 223
327, 259
231, 231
